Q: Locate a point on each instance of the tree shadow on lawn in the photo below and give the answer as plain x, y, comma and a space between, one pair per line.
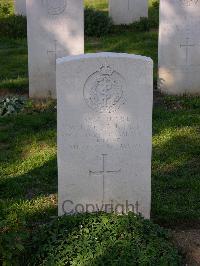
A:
165, 119
176, 163
13, 66
37, 182
176, 183
20, 133
30, 199
28, 169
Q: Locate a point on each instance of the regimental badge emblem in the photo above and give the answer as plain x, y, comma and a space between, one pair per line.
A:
56, 7
188, 2
104, 90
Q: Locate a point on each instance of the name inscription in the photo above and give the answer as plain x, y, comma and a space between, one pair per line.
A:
113, 132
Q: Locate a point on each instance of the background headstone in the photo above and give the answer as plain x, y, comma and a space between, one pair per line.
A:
55, 29
127, 11
179, 46
20, 7
104, 132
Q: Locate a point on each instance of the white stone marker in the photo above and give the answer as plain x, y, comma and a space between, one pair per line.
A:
179, 46
55, 29
104, 133
20, 7
127, 11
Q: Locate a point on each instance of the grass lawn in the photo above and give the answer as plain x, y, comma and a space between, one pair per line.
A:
176, 161
13, 65
28, 167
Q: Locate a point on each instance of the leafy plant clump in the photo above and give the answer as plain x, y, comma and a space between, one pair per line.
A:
5, 9
11, 105
155, 4
97, 23
101, 239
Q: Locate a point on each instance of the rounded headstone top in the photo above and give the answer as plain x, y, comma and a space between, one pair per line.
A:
103, 55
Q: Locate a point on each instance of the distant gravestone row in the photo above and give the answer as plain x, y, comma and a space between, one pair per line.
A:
127, 11
121, 11
56, 29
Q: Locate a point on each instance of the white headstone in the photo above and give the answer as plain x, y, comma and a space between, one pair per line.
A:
55, 29
179, 46
20, 7
127, 11
104, 133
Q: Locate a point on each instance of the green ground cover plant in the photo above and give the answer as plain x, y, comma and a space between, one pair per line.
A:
103, 239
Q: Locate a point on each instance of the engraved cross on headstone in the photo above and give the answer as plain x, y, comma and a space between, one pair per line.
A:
104, 172
54, 52
187, 45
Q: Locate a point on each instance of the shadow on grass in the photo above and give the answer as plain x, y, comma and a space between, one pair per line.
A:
21, 132
13, 65
176, 164
28, 165
37, 182
176, 180
165, 119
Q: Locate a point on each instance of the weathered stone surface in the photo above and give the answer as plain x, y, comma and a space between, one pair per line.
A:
179, 46
127, 11
20, 7
55, 29
104, 133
